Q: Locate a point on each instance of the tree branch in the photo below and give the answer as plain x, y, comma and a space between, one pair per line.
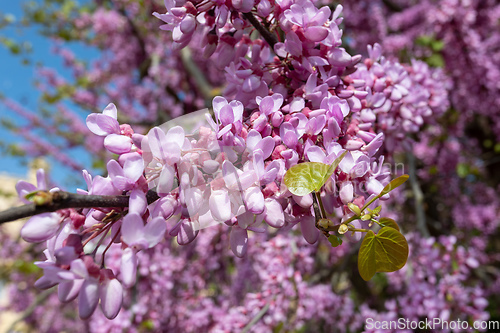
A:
266, 34
62, 200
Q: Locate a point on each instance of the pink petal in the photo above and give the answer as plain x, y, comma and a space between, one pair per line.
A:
237, 110
316, 154
23, 188
239, 241
166, 181
253, 138
194, 199
218, 103
316, 34
187, 233
132, 228
154, 231
156, 140
172, 152
309, 230
305, 201
226, 115
118, 144
133, 167
110, 111
137, 202
274, 213
254, 200
188, 24
88, 298
102, 125
220, 205
68, 290
267, 146
103, 186
111, 293
79, 269
128, 267
41, 227
266, 105
114, 169
347, 163
321, 16
373, 186
176, 135
339, 57
45, 283
346, 192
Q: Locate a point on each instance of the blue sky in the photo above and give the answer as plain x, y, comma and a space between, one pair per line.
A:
16, 82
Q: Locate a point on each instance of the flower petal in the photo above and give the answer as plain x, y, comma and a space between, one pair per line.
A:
239, 241
102, 125
88, 298
41, 227
132, 228
155, 230
309, 230
118, 144
111, 293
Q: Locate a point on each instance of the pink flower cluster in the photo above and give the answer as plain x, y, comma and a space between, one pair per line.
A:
310, 101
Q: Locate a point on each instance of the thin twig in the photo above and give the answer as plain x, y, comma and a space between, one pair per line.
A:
419, 196
62, 200
255, 319
266, 34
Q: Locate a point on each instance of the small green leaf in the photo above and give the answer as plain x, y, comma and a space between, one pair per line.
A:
393, 184
387, 222
303, 178
386, 251
435, 60
377, 210
335, 240
30, 196
355, 209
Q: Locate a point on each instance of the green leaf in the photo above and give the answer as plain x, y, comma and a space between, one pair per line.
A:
377, 210
303, 178
335, 240
31, 196
387, 222
386, 251
393, 184
437, 45
435, 60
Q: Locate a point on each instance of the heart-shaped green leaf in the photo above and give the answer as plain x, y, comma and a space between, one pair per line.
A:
335, 240
393, 184
387, 222
303, 178
386, 251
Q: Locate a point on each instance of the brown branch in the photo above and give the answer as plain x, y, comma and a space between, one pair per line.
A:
266, 34
62, 200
